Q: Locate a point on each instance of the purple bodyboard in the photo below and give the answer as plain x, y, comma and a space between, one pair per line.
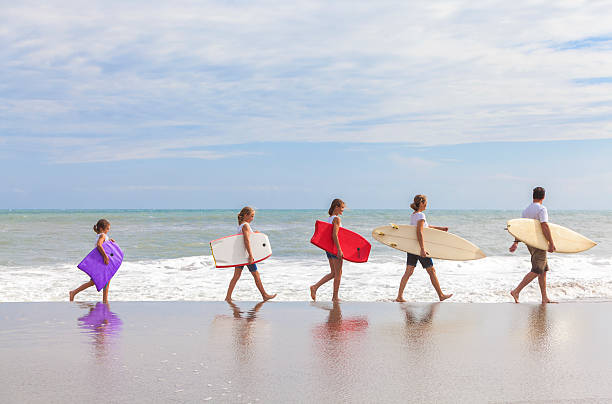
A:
93, 264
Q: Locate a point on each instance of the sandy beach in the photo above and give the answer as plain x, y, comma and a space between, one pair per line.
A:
304, 352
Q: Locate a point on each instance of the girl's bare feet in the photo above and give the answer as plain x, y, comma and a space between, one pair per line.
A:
544, 301
400, 300
515, 296
228, 299
336, 300
313, 293
71, 293
268, 297
444, 297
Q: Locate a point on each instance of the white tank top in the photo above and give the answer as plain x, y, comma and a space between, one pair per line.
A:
103, 240
241, 226
331, 220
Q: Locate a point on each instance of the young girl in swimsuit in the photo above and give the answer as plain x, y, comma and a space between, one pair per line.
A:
245, 217
418, 219
102, 227
335, 261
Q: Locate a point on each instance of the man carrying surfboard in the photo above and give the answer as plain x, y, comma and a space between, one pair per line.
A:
539, 263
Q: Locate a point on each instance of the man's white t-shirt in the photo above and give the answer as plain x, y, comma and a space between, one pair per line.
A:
536, 211
416, 216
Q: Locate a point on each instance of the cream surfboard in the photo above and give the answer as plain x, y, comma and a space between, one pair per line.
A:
230, 251
439, 244
529, 231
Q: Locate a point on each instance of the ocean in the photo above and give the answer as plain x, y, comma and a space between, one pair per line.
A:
167, 256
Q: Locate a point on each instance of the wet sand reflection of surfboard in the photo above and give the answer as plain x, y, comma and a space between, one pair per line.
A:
439, 244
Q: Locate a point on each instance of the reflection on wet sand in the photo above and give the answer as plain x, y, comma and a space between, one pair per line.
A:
336, 327
243, 326
419, 335
418, 326
337, 351
101, 324
539, 328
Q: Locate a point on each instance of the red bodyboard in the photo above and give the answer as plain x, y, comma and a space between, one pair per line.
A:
355, 248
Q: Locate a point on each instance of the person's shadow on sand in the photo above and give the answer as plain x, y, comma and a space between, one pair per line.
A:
101, 324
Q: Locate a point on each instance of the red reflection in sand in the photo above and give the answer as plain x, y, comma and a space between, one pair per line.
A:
337, 327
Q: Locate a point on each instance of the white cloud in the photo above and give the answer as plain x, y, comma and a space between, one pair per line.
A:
413, 72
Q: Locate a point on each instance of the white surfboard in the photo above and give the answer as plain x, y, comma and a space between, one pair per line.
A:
230, 251
439, 244
529, 231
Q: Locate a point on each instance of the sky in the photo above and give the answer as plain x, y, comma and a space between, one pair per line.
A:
274, 104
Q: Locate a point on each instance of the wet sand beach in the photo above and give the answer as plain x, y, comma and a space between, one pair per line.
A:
305, 352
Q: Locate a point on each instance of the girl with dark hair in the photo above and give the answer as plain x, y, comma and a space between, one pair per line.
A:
418, 219
245, 217
102, 227
335, 261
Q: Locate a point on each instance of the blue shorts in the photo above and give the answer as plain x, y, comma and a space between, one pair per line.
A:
252, 267
411, 260
331, 255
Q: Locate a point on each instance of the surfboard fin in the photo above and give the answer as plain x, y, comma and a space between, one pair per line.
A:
380, 233
394, 226
393, 245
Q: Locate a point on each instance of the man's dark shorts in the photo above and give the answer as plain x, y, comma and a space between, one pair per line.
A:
539, 262
411, 260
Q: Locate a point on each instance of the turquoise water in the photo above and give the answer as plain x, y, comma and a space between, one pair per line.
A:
36, 237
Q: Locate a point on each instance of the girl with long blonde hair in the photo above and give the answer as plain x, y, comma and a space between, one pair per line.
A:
245, 217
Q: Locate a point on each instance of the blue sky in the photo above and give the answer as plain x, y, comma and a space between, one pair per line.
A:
286, 105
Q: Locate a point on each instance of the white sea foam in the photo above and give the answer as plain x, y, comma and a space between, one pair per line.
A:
572, 277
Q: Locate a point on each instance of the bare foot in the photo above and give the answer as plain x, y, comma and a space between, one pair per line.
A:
336, 300
71, 293
268, 297
444, 297
313, 293
228, 299
514, 295
544, 301
400, 299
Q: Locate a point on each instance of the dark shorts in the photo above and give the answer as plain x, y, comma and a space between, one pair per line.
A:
252, 267
539, 262
331, 255
411, 260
